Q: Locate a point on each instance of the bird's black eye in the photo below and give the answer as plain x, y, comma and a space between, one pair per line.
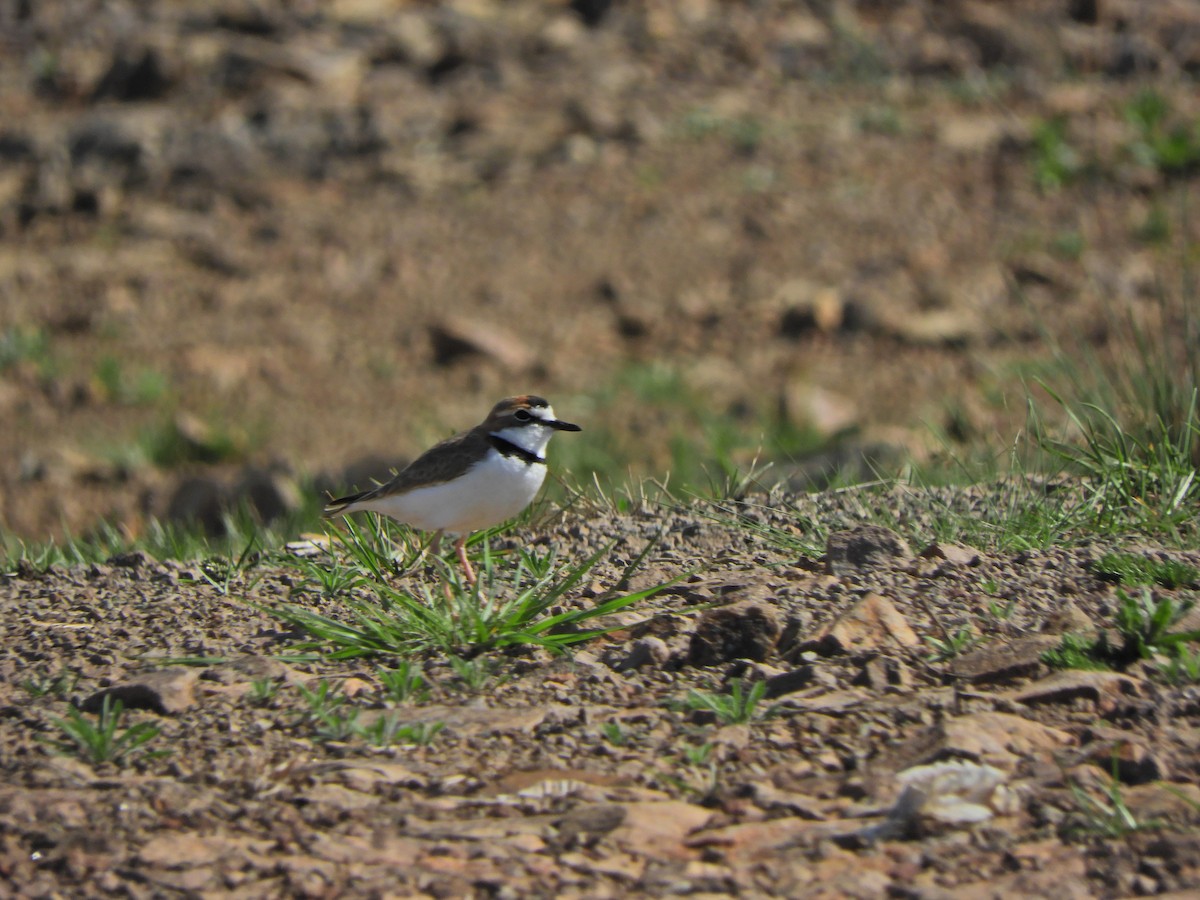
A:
522, 415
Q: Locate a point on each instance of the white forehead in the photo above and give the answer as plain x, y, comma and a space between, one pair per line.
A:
545, 413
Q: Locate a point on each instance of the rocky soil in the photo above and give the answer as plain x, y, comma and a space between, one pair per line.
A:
588, 775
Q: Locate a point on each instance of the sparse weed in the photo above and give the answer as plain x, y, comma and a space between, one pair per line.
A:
1156, 227
329, 713
332, 576
1056, 163
1132, 409
951, 644
118, 386
104, 740
880, 119
245, 541
1183, 668
1109, 815
1025, 512
1076, 651
221, 572
615, 734
735, 708
263, 690
19, 344
744, 133
334, 720
1147, 479
698, 776
1135, 570
322, 700
705, 448
473, 674
404, 683
175, 441
42, 685
1144, 625
1163, 142
801, 540
1002, 613
388, 729
335, 727
1068, 244
378, 547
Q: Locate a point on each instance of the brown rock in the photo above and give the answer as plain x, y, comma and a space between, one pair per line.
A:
246, 669
872, 623
864, 547
1048, 869
936, 327
269, 494
771, 798
1003, 661
166, 692
808, 307
455, 337
647, 651
1171, 804
882, 672
590, 821
1068, 618
747, 630
758, 840
660, 828
379, 849
998, 739
198, 500
953, 553
807, 405
974, 134
1135, 761
181, 850
1105, 689
793, 680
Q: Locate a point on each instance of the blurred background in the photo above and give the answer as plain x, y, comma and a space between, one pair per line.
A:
254, 249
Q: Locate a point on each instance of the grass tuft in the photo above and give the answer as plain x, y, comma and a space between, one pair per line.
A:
503, 609
1133, 570
1145, 627
738, 707
104, 740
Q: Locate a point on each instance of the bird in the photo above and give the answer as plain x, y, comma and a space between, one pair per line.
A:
473, 480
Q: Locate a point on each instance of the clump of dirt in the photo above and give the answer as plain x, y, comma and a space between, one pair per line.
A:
624, 767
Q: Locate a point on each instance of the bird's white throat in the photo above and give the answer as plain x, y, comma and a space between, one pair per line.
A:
532, 438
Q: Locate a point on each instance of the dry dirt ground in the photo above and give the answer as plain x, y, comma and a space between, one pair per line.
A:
587, 775
290, 235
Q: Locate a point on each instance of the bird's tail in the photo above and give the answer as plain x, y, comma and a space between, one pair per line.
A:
344, 505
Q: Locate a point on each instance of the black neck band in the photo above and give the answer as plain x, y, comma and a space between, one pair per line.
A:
508, 448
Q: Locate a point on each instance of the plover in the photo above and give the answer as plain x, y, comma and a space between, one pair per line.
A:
473, 480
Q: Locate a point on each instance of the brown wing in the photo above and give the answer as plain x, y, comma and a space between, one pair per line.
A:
441, 462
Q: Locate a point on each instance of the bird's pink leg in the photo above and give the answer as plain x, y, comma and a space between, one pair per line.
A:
461, 547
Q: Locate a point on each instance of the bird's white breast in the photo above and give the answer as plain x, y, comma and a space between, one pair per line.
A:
495, 489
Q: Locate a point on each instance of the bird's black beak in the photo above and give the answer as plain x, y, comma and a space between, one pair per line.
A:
559, 425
